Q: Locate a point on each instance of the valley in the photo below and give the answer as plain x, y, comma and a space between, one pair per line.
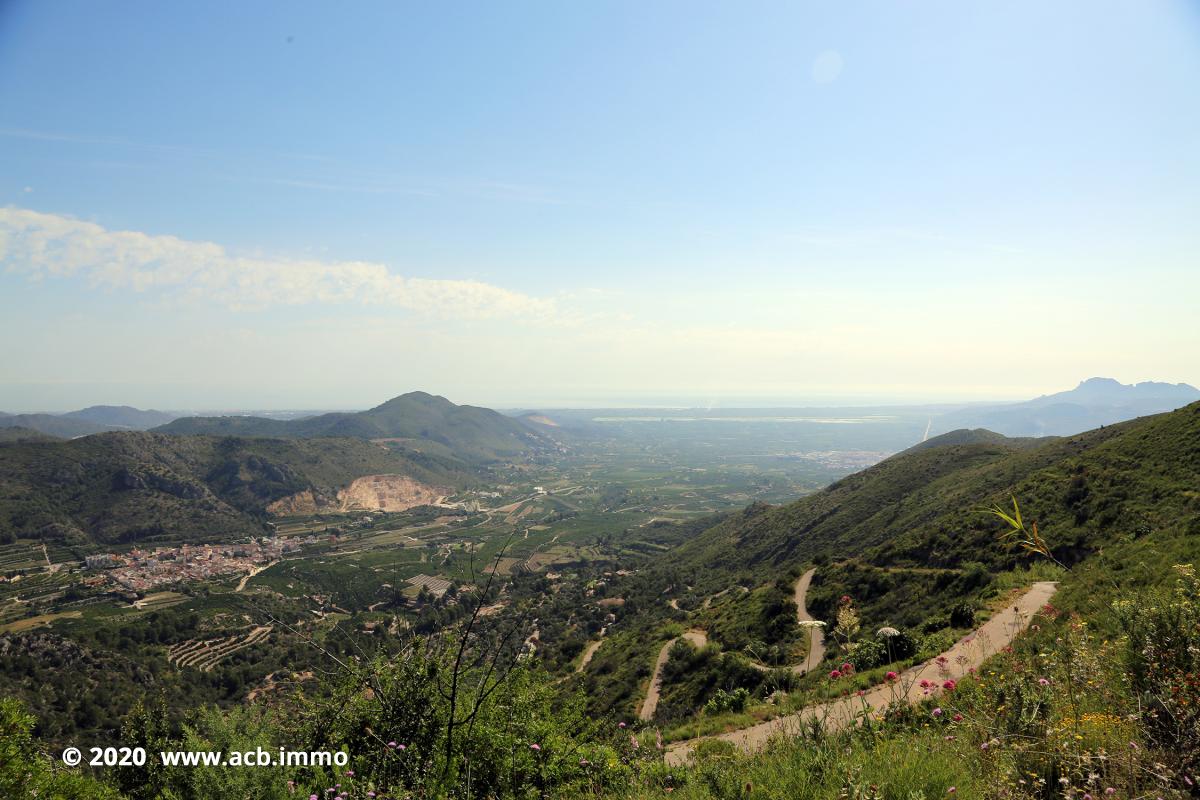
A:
690, 583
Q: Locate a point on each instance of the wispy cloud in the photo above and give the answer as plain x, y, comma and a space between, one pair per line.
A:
304, 171
43, 246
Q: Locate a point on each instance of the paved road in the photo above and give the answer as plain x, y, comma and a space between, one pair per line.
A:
816, 636
971, 651
650, 703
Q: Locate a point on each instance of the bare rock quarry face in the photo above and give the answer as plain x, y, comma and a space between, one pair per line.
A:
387, 493
368, 493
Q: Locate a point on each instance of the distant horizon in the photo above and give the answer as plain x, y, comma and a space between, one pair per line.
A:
649, 402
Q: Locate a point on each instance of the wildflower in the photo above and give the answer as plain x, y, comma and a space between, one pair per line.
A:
949, 686
835, 675
937, 712
1133, 746
951, 790
401, 747
847, 668
1110, 790
1043, 682
349, 773
891, 676
958, 717
887, 632
621, 725
392, 745
312, 797
370, 794
583, 762
1087, 796
535, 747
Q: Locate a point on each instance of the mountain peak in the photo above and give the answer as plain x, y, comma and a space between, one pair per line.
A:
1097, 383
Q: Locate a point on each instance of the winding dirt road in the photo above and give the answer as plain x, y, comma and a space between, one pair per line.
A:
969, 652
650, 704
588, 652
816, 636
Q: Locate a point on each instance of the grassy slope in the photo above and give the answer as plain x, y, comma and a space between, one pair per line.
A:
921, 508
906, 538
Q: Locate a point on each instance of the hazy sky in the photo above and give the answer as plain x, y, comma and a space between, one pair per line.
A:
318, 205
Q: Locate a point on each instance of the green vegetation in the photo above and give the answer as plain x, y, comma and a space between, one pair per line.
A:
116, 488
419, 421
1100, 692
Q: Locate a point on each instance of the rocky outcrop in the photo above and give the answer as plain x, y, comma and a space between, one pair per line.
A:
306, 502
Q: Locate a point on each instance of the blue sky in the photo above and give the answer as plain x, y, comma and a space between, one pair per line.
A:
537, 203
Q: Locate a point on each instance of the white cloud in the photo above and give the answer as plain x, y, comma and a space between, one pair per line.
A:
49, 245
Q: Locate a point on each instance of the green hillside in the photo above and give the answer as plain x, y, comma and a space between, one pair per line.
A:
920, 508
124, 487
417, 420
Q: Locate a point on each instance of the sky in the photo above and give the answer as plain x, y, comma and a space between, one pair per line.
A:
318, 205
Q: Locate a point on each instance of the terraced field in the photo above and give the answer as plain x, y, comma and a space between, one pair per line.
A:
204, 654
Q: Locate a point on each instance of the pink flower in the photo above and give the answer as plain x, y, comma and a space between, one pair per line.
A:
891, 676
958, 717
350, 773
847, 668
951, 790
392, 745
583, 762
949, 686
1110, 790
401, 747
937, 712
535, 747
835, 675
312, 797
621, 725
1043, 682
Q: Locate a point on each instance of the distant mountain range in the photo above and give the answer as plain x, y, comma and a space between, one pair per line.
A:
417, 421
95, 419
195, 476
1094, 402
